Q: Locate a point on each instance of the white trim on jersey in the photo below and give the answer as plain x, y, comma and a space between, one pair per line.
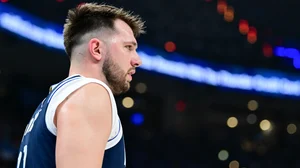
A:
68, 87
118, 133
52, 105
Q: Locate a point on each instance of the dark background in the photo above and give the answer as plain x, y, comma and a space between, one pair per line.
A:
185, 123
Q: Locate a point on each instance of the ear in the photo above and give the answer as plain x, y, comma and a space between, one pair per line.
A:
95, 48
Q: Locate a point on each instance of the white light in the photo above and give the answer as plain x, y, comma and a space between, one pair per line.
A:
265, 125
223, 155
291, 128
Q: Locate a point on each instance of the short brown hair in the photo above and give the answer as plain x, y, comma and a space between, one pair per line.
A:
92, 16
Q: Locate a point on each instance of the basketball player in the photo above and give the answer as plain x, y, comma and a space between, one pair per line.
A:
77, 125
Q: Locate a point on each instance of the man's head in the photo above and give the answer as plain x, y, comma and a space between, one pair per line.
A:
103, 37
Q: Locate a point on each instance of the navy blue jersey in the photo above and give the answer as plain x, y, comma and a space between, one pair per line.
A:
37, 149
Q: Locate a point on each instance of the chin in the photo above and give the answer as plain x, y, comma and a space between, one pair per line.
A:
124, 89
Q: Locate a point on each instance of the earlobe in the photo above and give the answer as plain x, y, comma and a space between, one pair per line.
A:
95, 48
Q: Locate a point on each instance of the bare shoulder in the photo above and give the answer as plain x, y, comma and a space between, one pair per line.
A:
90, 99
89, 95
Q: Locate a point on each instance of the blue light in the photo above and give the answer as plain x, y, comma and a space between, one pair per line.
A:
296, 63
222, 78
137, 118
179, 66
291, 53
44, 36
279, 51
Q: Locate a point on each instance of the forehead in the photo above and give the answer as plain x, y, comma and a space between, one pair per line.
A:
124, 31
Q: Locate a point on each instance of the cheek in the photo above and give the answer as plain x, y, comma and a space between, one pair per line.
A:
125, 64
122, 57
124, 60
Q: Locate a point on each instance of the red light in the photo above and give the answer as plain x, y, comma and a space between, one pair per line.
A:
59, 0
221, 6
242, 21
267, 50
4, 1
244, 27
252, 35
170, 46
180, 106
252, 30
252, 38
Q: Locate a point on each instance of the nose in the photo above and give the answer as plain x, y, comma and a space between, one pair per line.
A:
136, 61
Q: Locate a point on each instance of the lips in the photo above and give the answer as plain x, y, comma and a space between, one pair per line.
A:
131, 72
130, 77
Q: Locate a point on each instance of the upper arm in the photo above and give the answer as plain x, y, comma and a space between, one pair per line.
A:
84, 122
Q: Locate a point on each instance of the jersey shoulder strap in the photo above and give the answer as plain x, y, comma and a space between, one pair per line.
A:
62, 90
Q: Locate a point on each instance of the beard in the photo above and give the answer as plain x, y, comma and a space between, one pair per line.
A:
115, 76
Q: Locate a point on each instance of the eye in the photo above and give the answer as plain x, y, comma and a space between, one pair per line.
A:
129, 47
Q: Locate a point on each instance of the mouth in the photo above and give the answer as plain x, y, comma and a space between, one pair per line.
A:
130, 77
131, 72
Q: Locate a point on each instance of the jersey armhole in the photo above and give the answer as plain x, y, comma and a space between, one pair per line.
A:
58, 95
61, 94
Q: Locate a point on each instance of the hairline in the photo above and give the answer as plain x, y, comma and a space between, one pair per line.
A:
102, 34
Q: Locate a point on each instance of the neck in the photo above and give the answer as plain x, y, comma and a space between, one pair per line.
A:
90, 71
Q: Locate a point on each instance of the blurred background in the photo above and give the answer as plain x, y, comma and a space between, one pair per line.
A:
219, 86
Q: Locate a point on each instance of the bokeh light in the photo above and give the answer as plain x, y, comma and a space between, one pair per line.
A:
243, 27
128, 102
221, 6
141, 88
252, 105
252, 35
137, 118
267, 50
229, 14
232, 122
180, 106
223, 155
234, 164
251, 118
291, 128
265, 125
170, 46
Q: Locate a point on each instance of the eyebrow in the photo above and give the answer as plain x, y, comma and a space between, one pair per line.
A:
132, 42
